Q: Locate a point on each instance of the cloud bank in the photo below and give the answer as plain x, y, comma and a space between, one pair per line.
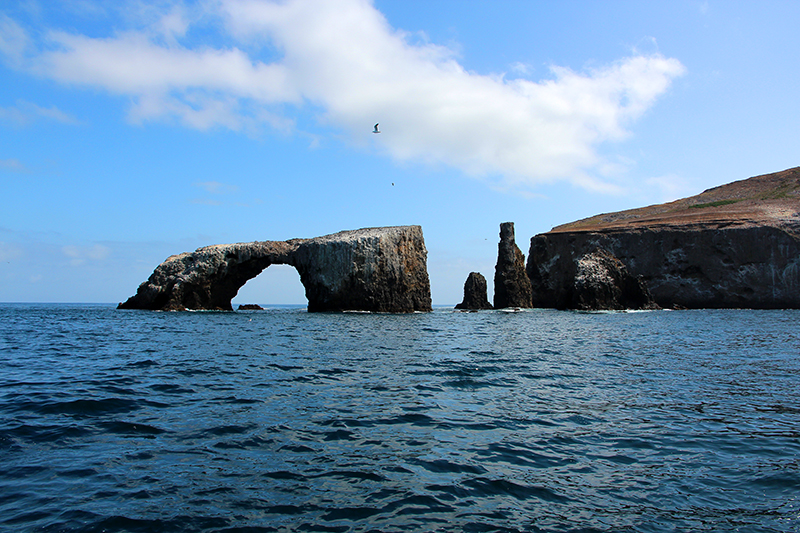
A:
342, 59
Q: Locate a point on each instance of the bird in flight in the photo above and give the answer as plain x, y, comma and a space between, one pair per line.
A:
376, 130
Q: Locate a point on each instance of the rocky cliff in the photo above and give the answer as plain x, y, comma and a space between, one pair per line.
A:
737, 245
373, 269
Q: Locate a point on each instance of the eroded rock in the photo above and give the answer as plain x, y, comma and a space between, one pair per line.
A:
372, 269
512, 288
602, 282
376, 269
475, 293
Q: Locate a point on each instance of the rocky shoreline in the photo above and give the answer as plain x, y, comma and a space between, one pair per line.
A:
734, 246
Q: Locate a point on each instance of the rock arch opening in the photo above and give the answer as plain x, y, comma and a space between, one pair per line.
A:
275, 285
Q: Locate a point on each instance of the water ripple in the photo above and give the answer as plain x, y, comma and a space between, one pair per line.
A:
288, 421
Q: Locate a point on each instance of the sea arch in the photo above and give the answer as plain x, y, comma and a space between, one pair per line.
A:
372, 269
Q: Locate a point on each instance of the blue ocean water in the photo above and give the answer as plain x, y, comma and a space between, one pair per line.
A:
282, 420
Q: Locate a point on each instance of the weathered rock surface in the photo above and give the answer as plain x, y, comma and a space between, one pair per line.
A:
373, 269
475, 293
737, 245
602, 282
209, 277
377, 269
250, 307
512, 288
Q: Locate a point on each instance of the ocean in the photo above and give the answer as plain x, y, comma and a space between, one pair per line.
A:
283, 420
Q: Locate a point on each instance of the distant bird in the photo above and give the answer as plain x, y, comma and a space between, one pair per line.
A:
376, 130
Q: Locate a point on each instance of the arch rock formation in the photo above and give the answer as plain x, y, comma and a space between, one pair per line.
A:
371, 269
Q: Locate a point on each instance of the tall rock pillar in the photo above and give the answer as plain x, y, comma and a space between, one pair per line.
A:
512, 288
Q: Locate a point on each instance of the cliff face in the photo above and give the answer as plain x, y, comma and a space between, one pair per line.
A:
732, 246
375, 269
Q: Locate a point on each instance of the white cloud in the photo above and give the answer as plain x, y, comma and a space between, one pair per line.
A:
52, 113
202, 87
521, 69
9, 252
343, 57
79, 255
215, 188
668, 188
13, 41
24, 113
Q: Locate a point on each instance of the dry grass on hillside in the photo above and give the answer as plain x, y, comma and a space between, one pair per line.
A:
770, 199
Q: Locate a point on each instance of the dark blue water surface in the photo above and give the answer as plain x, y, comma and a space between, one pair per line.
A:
283, 420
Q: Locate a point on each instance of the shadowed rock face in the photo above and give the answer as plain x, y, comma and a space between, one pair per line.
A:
602, 282
374, 269
378, 269
475, 293
512, 288
737, 245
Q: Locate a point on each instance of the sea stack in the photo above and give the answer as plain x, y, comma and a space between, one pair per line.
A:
512, 288
475, 293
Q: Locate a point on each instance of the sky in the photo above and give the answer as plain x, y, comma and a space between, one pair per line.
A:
131, 130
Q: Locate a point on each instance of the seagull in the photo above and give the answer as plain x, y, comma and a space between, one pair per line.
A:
376, 130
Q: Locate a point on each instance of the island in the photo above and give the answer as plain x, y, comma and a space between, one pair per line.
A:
733, 246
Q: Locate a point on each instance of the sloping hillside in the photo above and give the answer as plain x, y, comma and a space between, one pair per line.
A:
770, 199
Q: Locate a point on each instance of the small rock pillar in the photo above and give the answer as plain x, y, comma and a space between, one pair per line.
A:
475, 293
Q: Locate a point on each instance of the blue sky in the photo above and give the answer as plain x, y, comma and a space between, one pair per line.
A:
133, 130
